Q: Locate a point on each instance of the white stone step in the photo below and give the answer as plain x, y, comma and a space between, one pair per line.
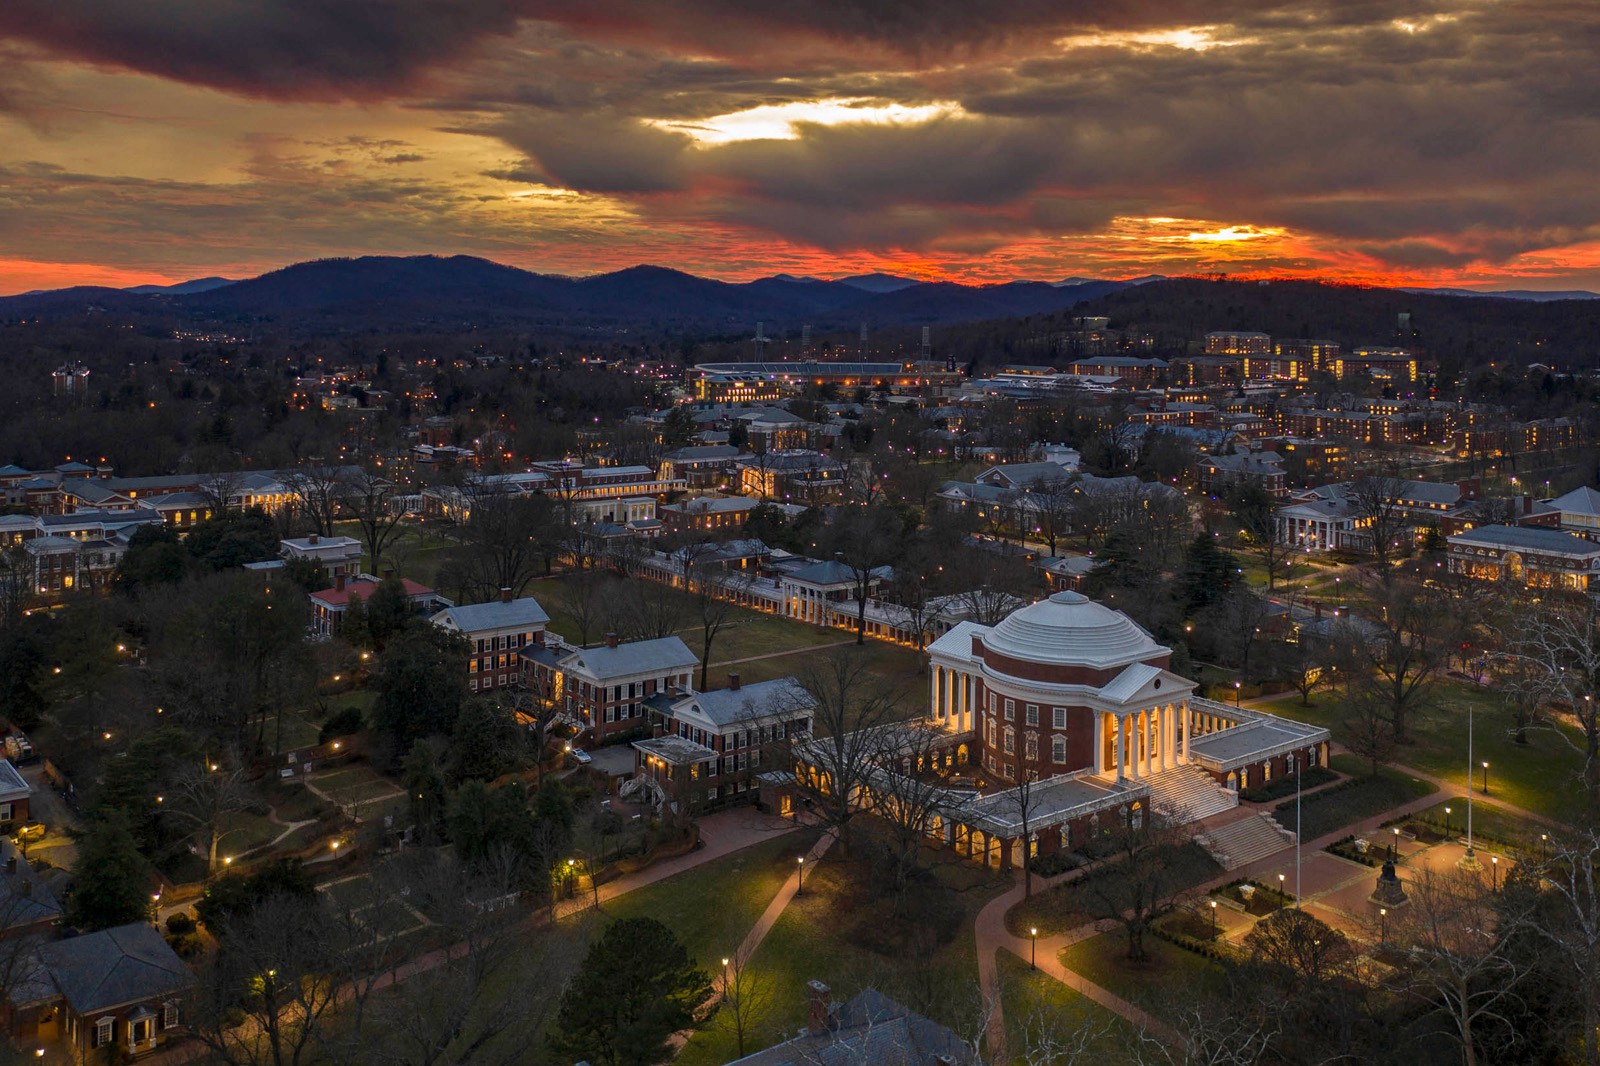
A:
1246, 840
1190, 794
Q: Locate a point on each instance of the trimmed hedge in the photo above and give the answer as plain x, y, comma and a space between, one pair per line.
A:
1280, 787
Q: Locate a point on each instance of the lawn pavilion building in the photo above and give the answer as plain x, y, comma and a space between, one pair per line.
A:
1066, 712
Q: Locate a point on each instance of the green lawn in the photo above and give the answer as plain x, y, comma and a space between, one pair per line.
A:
1169, 979
819, 938
1541, 776
1487, 820
1070, 905
1362, 797
1040, 1011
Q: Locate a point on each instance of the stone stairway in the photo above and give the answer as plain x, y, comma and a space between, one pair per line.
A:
1189, 794
1242, 842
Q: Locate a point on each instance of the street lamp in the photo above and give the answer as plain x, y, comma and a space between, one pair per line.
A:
1383, 935
1494, 866
1282, 894
1236, 694
1486, 777
1447, 828
800, 882
1033, 948
1213, 919
227, 860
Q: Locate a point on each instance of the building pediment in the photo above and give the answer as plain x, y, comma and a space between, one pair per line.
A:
1142, 684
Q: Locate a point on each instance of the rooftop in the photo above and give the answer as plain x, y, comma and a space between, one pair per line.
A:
496, 614
114, 967
1529, 539
730, 706
1070, 629
635, 657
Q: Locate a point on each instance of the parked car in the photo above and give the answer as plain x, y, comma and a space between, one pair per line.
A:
579, 756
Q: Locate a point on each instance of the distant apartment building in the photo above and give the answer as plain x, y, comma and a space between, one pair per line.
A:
708, 514
497, 632
1395, 365
71, 379
1309, 355
1492, 440
1236, 343
1130, 371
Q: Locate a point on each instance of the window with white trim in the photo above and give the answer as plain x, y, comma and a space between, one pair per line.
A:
103, 1031
1059, 717
1030, 745
1011, 710
169, 1014
1058, 750
1011, 740
1032, 714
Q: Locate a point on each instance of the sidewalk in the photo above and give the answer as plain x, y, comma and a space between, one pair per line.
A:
721, 834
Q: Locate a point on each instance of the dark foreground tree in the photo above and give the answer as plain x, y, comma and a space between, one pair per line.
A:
112, 879
637, 987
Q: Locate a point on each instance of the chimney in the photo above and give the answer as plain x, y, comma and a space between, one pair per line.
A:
611, 640
733, 682
505, 595
25, 888
1317, 611
11, 864
820, 997
388, 572
313, 539
338, 583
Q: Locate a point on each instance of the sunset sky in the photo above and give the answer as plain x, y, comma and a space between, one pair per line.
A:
1393, 141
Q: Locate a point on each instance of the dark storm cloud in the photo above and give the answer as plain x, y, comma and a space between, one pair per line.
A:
330, 49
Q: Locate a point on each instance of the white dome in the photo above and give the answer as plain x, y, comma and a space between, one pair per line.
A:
1069, 629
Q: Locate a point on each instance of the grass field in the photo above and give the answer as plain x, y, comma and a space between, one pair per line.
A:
1071, 905
819, 937
1541, 776
1361, 797
1042, 1013
1168, 979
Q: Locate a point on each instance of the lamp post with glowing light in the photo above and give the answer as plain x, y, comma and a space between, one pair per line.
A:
1383, 935
1213, 919
1033, 948
800, 875
1494, 865
1486, 777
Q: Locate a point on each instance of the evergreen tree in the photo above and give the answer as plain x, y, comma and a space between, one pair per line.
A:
111, 878
421, 687
1209, 573
637, 986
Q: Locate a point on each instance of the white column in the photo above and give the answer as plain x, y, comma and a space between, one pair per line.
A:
1170, 715
1099, 742
1152, 756
1135, 727
1120, 749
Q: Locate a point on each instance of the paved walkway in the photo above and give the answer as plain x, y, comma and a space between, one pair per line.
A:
781, 654
721, 834
991, 932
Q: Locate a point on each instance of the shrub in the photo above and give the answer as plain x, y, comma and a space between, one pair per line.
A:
343, 724
1280, 787
180, 923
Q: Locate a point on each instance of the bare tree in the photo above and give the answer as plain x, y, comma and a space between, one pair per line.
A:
1454, 934
220, 490
745, 1000
865, 540
853, 710
367, 497
909, 793
1375, 503
1143, 886
1556, 647
203, 798
1047, 507
1399, 656
316, 497
1254, 508
1568, 875
503, 544
580, 595
711, 589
